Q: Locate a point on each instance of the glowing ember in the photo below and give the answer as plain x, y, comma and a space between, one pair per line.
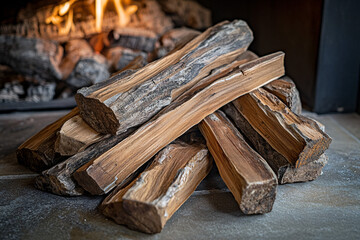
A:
62, 14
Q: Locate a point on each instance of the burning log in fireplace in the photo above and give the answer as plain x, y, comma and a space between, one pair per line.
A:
79, 43
103, 151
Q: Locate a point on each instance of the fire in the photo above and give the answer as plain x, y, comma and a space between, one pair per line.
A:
62, 14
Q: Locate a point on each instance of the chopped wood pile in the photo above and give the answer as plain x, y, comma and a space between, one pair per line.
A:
136, 135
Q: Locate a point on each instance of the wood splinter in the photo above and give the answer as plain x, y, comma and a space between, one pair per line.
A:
148, 202
247, 175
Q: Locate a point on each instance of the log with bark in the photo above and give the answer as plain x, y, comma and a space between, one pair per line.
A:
284, 88
38, 152
266, 123
88, 71
32, 56
113, 107
148, 202
249, 178
297, 138
102, 174
149, 17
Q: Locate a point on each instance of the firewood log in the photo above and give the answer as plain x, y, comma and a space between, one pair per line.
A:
102, 174
74, 51
149, 17
113, 107
37, 153
88, 71
59, 180
74, 136
298, 139
32, 56
307, 172
119, 57
261, 141
284, 88
150, 201
249, 178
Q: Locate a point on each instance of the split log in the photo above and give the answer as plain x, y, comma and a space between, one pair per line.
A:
285, 89
307, 172
102, 174
189, 13
261, 142
150, 201
88, 71
37, 153
298, 139
31, 56
249, 178
112, 108
74, 136
149, 16
59, 178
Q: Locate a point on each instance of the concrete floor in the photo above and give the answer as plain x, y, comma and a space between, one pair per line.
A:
327, 208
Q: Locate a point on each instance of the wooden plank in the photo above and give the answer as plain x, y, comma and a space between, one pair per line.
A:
150, 201
114, 107
37, 153
249, 178
33, 57
102, 174
284, 88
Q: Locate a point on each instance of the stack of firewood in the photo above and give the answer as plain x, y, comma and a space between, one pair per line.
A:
140, 135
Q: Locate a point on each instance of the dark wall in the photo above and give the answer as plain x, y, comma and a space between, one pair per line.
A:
320, 39
292, 26
338, 74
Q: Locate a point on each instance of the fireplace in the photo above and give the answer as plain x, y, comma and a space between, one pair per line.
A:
50, 49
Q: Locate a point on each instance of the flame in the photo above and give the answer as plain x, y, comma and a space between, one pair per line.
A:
58, 13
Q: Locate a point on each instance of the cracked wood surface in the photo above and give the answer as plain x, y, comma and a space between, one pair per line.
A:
149, 201
248, 176
114, 106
